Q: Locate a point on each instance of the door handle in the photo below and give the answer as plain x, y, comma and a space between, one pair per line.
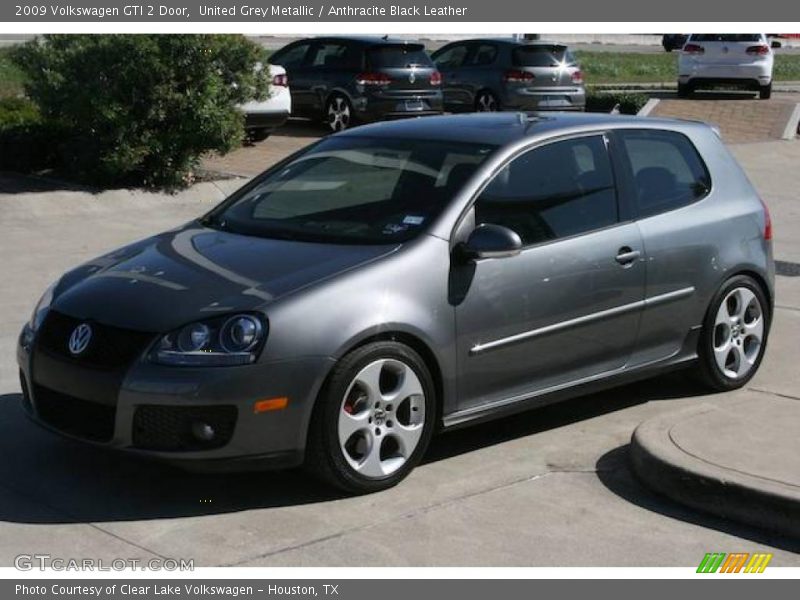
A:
625, 255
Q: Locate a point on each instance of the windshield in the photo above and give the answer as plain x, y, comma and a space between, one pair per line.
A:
356, 190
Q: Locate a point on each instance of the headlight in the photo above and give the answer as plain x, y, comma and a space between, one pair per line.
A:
221, 341
40, 312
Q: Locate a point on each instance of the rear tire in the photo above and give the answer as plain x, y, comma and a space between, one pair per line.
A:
258, 135
684, 90
339, 113
373, 419
765, 92
734, 335
486, 101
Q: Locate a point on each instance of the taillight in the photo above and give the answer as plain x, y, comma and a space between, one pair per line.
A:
693, 49
436, 78
577, 77
373, 79
767, 222
280, 80
760, 50
517, 76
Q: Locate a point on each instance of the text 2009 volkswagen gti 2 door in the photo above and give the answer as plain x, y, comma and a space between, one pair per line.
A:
403, 277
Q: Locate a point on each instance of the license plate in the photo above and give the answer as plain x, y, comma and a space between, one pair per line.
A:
414, 105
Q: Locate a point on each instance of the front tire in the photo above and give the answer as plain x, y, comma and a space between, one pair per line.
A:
734, 335
373, 420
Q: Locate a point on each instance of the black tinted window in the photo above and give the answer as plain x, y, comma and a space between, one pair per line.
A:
667, 170
398, 56
730, 38
290, 57
555, 191
334, 56
542, 56
484, 55
452, 57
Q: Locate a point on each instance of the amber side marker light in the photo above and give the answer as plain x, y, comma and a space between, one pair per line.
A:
270, 404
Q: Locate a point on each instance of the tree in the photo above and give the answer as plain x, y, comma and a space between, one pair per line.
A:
142, 108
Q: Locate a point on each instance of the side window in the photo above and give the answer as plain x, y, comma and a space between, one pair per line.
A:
484, 55
290, 57
333, 55
667, 171
554, 191
452, 57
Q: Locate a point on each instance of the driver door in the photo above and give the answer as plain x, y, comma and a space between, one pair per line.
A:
565, 309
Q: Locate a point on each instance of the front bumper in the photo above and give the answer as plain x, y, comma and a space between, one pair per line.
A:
153, 410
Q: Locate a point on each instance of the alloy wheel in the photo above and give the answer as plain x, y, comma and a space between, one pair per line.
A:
338, 113
738, 333
486, 103
381, 418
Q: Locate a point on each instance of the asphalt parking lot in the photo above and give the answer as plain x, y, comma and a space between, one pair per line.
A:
549, 487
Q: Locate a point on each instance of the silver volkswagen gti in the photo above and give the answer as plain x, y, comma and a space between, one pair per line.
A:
400, 278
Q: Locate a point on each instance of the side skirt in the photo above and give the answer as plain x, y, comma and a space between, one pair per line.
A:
516, 404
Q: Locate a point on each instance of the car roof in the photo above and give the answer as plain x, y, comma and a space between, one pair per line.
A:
503, 128
369, 40
510, 42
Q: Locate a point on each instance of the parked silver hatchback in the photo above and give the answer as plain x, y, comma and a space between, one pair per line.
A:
400, 278
506, 74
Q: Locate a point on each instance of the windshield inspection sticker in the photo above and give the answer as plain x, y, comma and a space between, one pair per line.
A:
413, 220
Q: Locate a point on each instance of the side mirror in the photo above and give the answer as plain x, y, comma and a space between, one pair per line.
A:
492, 241
776, 44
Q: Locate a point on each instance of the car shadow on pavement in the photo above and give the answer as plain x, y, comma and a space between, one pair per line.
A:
47, 479
553, 416
614, 472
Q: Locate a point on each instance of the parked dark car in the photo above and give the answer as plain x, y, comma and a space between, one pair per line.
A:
346, 80
500, 74
674, 41
400, 278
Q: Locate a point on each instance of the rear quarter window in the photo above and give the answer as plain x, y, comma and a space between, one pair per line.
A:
667, 170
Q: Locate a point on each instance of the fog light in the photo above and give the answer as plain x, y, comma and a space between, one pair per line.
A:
203, 431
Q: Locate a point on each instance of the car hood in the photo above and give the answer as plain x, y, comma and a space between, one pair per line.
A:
193, 272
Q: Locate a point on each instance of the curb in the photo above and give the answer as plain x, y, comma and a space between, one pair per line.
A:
793, 125
662, 466
649, 107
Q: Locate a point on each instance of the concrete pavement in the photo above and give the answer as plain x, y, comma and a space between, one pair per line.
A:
548, 487
738, 460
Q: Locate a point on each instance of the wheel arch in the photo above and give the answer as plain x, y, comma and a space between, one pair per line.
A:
762, 283
415, 343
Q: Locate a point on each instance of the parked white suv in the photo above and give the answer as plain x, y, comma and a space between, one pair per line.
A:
265, 116
737, 59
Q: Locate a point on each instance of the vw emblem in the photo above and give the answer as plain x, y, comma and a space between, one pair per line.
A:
79, 339
412, 77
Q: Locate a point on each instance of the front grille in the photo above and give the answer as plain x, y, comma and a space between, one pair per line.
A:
109, 347
81, 418
175, 428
